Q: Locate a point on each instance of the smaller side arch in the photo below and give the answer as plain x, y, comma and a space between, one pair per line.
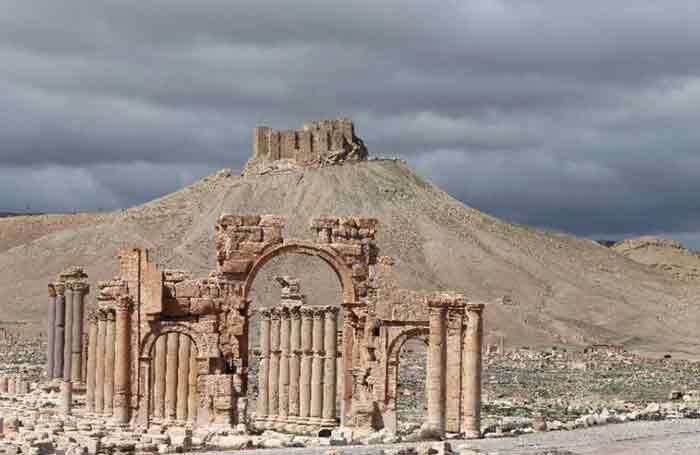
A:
150, 338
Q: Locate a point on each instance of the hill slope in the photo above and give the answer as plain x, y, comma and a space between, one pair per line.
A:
545, 287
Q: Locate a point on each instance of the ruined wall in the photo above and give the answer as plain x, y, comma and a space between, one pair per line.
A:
316, 144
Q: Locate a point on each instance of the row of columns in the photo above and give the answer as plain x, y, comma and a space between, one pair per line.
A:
439, 360
108, 361
174, 379
14, 384
297, 377
65, 330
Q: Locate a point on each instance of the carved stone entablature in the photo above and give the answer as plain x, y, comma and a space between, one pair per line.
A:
111, 290
241, 239
74, 273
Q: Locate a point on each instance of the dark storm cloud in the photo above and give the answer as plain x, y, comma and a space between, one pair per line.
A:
579, 116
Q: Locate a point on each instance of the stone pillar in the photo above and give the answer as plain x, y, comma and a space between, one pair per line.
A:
307, 327
285, 325
59, 334
472, 372
294, 362
110, 335
192, 399
66, 397
100, 362
51, 331
317, 366
122, 372
435, 423
86, 340
159, 358
273, 389
453, 364
349, 319
183, 377
68, 331
330, 375
80, 290
262, 402
172, 347
3, 383
91, 363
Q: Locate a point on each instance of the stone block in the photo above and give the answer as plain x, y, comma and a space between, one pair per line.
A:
187, 289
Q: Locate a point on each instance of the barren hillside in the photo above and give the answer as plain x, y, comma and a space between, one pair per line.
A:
545, 288
667, 256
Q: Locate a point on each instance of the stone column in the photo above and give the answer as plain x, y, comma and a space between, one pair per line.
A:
68, 330
172, 347
192, 399
3, 383
453, 365
183, 377
110, 353
294, 362
59, 334
91, 363
472, 371
273, 390
66, 397
317, 366
435, 423
122, 372
285, 325
262, 403
330, 375
159, 358
100, 362
349, 319
80, 290
51, 331
307, 327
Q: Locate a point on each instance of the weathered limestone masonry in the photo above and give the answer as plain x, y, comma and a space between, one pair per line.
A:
316, 144
169, 349
165, 348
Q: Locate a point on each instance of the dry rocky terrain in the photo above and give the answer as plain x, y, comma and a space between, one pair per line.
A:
544, 288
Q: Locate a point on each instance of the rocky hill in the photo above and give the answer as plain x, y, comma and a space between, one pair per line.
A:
544, 288
664, 255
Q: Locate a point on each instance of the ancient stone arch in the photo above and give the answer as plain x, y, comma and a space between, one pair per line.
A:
328, 255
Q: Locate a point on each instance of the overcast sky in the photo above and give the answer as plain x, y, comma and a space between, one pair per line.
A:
581, 116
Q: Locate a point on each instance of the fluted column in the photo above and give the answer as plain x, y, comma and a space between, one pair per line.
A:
183, 374
453, 363
349, 320
472, 371
91, 362
100, 362
192, 398
294, 362
68, 331
172, 348
317, 367
80, 290
330, 341
109, 364
122, 372
159, 376
66, 397
436, 370
51, 331
307, 328
262, 403
273, 389
59, 334
285, 325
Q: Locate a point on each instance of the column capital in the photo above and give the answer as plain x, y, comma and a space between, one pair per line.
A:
102, 314
275, 314
307, 312
123, 304
295, 312
319, 312
265, 312
60, 288
332, 310
475, 308
78, 286
52, 291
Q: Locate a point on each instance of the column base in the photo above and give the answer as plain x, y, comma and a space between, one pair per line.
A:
472, 434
